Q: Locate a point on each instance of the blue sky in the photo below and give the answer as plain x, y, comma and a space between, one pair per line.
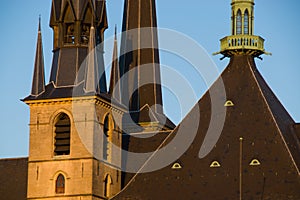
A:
204, 21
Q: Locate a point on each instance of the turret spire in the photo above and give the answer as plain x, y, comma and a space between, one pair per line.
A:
242, 41
115, 86
38, 82
95, 77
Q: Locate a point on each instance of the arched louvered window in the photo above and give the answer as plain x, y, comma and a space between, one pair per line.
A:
62, 135
107, 186
60, 184
239, 22
246, 23
105, 138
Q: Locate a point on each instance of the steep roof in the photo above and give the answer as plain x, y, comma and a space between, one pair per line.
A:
13, 178
257, 153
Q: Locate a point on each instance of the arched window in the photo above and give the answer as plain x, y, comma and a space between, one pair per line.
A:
106, 138
62, 135
60, 184
239, 22
85, 27
246, 23
69, 29
107, 186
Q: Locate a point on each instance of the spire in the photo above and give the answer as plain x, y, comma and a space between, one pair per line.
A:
93, 82
242, 41
38, 82
139, 53
115, 87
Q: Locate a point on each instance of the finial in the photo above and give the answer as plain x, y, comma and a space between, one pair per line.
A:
40, 23
115, 31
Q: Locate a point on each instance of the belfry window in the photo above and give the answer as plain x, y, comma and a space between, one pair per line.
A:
85, 33
69, 34
239, 23
246, 23
62, 135
60, 184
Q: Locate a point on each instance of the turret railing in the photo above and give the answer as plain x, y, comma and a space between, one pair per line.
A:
240, 42
237, 44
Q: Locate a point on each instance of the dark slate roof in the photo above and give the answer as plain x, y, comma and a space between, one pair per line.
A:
13, 178
147, 115
297, 130
258, 117
52, 92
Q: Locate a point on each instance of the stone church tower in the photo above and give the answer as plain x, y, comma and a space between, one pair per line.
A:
72, 122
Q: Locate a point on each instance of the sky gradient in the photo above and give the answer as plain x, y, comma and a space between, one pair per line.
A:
204, 21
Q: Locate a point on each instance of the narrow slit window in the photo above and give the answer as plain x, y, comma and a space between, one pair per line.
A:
239, 22
107, 186
246, 23
105, 148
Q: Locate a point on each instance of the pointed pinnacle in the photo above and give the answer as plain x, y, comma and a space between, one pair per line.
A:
39, 23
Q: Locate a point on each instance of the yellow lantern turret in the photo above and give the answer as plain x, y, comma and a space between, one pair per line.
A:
242, 41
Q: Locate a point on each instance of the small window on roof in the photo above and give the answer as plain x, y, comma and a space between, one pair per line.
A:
255, 162
215, 164
176, 166
229, 103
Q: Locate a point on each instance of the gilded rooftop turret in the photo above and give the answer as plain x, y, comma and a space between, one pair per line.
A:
242, 41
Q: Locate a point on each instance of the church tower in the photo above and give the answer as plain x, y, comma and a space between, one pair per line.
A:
73, 125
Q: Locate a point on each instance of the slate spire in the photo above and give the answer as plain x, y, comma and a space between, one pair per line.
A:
115, 86
140, 57
38, 82
94, 75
